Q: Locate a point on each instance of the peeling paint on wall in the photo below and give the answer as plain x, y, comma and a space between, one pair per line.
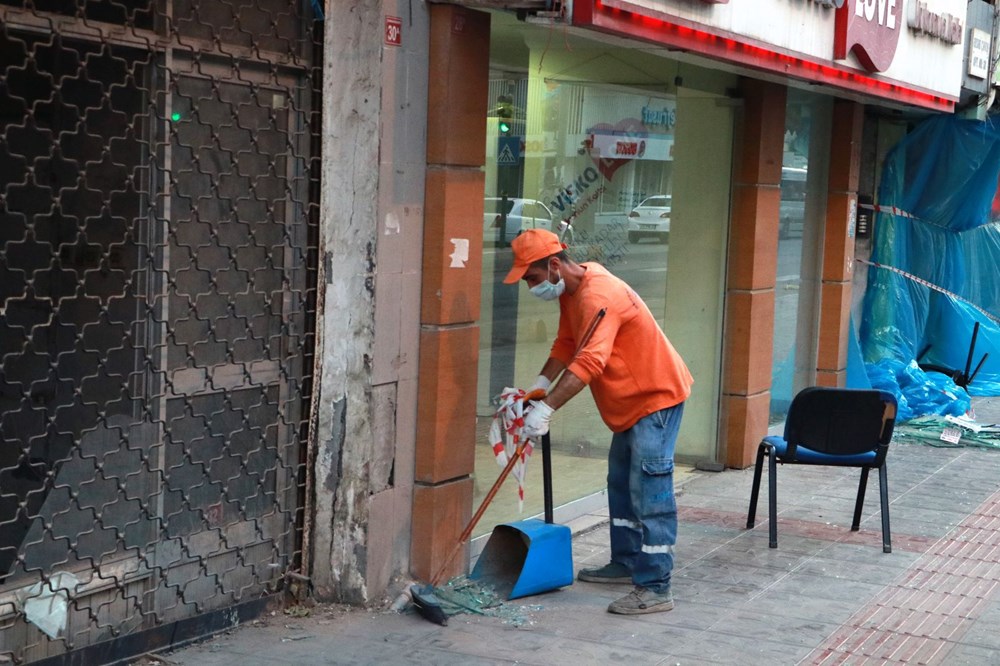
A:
392, 225
460, 255
384, 427
333, 446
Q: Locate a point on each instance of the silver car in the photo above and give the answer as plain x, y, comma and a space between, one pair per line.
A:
793, 202
521, 214
650, 219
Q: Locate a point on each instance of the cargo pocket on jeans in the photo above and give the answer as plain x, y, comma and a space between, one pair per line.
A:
658, 486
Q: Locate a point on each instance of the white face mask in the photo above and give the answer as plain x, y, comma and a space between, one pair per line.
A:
549, 291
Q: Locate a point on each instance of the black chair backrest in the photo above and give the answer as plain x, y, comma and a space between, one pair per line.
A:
839, 421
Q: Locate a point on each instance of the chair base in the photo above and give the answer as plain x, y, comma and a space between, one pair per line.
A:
766, 449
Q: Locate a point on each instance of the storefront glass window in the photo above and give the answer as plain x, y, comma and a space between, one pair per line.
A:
800, 234
612, 149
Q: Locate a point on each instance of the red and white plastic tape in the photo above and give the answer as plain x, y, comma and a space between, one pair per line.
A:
930, 285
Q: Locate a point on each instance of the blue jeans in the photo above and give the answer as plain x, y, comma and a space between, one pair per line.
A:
641, 497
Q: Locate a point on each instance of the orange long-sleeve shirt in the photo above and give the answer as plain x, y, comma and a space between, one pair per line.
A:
630, 366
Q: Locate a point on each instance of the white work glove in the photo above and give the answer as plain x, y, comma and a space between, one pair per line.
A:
542, 382
536, 421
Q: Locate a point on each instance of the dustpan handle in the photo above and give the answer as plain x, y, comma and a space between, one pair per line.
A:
546, 440
547, 477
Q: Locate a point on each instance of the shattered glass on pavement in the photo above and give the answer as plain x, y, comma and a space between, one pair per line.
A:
932, 431
464, 595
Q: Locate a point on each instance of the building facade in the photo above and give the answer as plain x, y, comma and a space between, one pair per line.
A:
251, 319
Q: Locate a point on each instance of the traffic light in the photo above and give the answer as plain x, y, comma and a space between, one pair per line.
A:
505, 112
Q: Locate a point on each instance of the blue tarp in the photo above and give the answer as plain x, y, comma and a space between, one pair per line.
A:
942, 178
857, 377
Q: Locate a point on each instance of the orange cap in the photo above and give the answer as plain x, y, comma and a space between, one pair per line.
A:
529, 247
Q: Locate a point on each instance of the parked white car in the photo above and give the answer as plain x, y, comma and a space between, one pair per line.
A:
650, 219
521, 214
793, 201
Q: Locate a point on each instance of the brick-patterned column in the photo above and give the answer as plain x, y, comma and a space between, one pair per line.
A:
452, 271
838, 244
753, 250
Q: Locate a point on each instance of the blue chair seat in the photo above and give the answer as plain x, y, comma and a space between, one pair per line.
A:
808, 456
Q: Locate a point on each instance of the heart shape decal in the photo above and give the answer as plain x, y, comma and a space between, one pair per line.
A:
605, 134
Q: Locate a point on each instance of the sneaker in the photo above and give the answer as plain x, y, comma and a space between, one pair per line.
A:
612, 572
642, 600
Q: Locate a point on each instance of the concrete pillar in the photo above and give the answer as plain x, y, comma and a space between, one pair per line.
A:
358, 510
342, 436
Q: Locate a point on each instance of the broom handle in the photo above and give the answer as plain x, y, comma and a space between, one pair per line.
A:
589, 332
479, 514
540, 393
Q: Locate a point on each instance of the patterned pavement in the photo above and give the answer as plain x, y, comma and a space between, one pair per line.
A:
826, 595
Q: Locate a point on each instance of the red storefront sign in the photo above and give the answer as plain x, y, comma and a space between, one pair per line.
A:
869, 28
624, 18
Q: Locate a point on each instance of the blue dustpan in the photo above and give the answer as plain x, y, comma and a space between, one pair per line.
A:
528, 556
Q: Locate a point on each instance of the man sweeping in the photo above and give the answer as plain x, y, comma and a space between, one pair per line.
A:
639, 383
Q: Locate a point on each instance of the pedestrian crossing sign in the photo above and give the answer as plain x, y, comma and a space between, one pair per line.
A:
508, 150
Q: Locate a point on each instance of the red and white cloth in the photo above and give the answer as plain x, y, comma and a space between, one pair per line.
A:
505, 435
